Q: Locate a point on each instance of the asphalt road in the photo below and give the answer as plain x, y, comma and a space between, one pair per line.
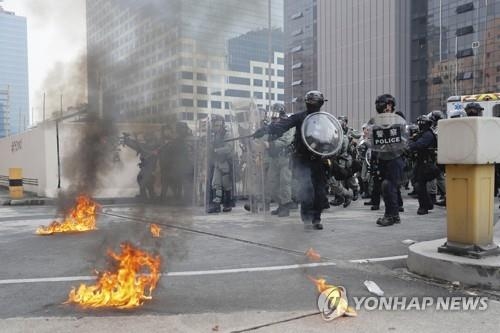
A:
224, 272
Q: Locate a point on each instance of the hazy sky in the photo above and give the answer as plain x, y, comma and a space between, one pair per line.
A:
56, 39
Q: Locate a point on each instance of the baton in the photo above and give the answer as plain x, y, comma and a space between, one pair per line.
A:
239, 138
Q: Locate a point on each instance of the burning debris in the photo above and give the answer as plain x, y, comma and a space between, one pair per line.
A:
313, 255
81, 218
332, 300
155, 230
134, 281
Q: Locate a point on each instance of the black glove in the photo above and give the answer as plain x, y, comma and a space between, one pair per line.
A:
260, 132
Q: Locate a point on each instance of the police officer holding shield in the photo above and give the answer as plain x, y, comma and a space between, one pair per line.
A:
310, 167
390, 146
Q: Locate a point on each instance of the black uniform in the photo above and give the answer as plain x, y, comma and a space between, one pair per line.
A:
310, 170
425, 170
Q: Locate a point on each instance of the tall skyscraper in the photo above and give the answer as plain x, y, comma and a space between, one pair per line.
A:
454, 51
301, 63
150, 59
363, 52
14, 93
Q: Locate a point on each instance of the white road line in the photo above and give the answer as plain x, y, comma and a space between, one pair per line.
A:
365, 261
187, 273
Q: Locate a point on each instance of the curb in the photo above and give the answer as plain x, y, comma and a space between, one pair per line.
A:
423, 259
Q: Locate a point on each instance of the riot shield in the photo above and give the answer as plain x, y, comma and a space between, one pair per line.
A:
388, 134
322, 134
253, 161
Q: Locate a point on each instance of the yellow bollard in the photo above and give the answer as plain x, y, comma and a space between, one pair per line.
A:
469, 147
16, 183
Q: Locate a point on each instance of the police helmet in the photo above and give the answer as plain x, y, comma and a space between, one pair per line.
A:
436, 116
383, 100
424, 122
474, 110
315, 98
278, 111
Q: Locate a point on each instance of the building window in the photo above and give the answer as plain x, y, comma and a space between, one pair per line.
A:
186, 89
201, 90
237, 93
202, 103
239, 80
227, 105
258, 83
272, 84
465, 53
281, 72
202, 115
437, 80
465, 30
187, 75
281, 85
267, 71
258, 95
186, 102
267, 96
201, 77
187, 116
257, 70
281, 97
465, 8
464, 76
216, 105
227, 118
280, 60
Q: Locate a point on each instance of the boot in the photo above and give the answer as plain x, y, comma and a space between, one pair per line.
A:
228, 202
337, 201
355, 195
317, 225
214, 208
385, 221
441, 203
422, 211
293, 205
368, 203
347, 200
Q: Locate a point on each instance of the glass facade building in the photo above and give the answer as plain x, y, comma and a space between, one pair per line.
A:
14, 92
151, 59
301, 65
455, 51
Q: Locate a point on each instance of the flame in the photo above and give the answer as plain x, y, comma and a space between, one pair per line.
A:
155, 230
82, 217
127, 288
313, 255
335, 295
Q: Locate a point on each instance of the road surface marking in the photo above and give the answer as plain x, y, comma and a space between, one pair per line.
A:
187, 273
365, 261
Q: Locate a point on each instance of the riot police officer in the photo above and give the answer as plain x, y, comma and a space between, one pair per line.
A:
474, 110
424, 145
310, 169
391, 166
279, 175
221, 151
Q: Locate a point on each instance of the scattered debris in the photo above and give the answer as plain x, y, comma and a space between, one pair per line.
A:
215, 328
408, 242
373, 288
456, 284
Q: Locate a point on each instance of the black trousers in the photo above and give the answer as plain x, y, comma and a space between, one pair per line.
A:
312, 188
